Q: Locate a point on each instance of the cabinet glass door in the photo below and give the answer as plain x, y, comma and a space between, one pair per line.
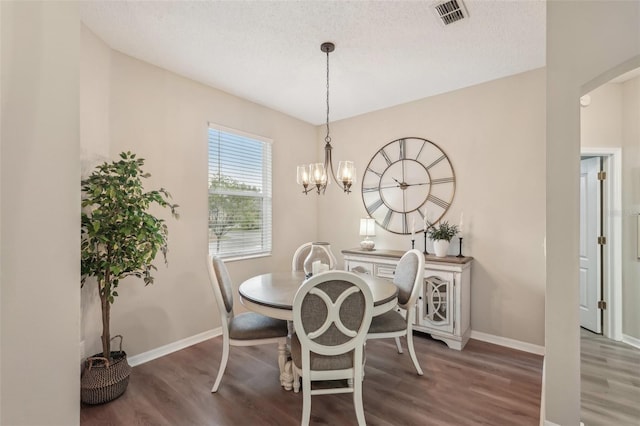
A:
438, 303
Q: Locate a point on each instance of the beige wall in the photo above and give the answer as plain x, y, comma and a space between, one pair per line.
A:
611, 120
494, 135
580, 56
40, 301
163, 118
601, 121
95, 95
631, 206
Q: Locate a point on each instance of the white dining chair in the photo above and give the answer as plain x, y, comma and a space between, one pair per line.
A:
331, 315
301, 253
246, 329
408, 278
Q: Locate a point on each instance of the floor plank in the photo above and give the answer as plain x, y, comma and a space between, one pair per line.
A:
610, 381
483, 384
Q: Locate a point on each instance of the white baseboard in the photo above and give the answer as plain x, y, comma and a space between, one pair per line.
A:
509, 343
173, 347
633, 341
548, 423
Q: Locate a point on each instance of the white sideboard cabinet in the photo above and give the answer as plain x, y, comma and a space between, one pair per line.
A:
444, 305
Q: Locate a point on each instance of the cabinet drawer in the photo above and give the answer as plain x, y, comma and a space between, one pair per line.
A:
385, 271
361, 267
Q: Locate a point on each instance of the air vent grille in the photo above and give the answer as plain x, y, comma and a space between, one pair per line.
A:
450, 11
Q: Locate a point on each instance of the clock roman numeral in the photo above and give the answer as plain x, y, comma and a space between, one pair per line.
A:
372, 189
387, 219
424, 143
442, 157
403, 149
374, 172
405, 225
438, 202
441, 180
374, 206
386, 157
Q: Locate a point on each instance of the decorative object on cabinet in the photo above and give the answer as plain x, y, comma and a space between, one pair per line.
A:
441, 234
367, 229
408, 279
460, 228
319, 174
301, 253
443, 308
408, 180
320, 259
119, 238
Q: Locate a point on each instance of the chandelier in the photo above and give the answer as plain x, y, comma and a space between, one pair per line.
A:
318, 175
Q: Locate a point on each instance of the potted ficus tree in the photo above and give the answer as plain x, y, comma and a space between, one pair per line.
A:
119, 238
441, 235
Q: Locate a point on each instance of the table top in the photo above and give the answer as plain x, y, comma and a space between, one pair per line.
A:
276, 290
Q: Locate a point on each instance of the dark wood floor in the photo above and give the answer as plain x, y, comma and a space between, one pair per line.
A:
610, 382
483, 384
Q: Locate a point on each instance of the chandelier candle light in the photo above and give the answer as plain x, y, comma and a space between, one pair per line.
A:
319, 174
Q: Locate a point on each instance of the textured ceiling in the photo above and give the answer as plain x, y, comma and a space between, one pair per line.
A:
387, 52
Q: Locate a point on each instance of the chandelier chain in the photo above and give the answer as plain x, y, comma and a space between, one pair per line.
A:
319, 175
327, 138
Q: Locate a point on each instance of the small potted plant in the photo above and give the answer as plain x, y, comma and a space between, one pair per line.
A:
441, 235
119, 238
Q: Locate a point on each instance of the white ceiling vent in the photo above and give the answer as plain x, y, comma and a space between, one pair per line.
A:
450, 11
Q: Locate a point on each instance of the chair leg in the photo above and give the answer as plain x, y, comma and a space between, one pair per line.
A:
223, 365
398, 345
412, 352
306, 400
296, 378
357, 400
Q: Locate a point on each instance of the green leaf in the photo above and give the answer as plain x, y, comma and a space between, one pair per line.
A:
119, 236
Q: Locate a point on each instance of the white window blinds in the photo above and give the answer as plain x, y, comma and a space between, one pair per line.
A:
239, 194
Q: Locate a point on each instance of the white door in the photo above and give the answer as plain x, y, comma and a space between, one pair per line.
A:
590, 289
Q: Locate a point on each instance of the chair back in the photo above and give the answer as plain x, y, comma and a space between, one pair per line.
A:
222, 288
332, 313
409, 274
301, 253
299, 256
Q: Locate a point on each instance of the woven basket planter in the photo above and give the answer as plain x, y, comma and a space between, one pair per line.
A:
103, 380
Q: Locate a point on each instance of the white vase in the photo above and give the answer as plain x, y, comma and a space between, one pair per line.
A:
441, 247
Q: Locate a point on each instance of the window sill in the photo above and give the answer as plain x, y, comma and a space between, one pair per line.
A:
245, 257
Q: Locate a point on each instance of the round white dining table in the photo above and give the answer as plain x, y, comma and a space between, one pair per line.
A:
272, 294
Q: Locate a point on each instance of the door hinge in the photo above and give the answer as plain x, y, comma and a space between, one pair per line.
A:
602, 175
602, 304
602, 240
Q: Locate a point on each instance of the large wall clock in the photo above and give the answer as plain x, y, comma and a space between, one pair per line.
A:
405, 180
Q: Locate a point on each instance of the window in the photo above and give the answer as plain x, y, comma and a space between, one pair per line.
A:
239, 194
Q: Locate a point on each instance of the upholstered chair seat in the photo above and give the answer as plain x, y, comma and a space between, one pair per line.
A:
252, 326
388, 322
